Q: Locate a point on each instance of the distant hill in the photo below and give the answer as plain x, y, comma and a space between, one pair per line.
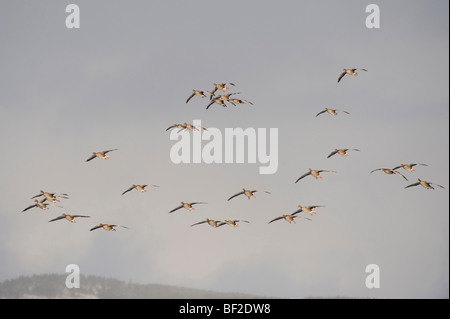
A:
52, 286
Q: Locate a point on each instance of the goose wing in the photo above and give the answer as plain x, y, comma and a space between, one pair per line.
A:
190, 97
304, 175
129, 189
235, 195
278, 218
57, 218
176, 208
341, 76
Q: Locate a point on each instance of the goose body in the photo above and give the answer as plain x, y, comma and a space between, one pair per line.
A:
349, 72
100, 155
331, 111
314, 173
188, 206
248, 193
389, 171
425, 184
70, 218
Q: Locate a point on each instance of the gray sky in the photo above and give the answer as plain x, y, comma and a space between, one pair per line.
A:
122, 78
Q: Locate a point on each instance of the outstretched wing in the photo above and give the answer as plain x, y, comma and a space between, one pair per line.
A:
29, 207
304, 175
260, 191
177, 208
190, 97
278, 218
57, 218
400, 174
91, 158
211, 103
104, 152
321, 112
341, 76
331, 154
195, 203
437, 185
415, 184
202, 222
235, 195
129, 189
96, 227
76, 216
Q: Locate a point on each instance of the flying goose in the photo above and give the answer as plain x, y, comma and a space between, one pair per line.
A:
221, 86
100, 154
191, 128
187, 206
218, 101
408, 167
389, 172
140, 188
179, 126
342, 152
239, 101
198, 93
39, 204
425, 184
306, 209
349, 72
51, 196
212, 223
232, 223
227, 98
331, 111
70, 218
315, 173
288, 218
107, 227
247, 193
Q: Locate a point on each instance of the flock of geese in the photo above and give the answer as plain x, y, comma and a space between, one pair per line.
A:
223, 100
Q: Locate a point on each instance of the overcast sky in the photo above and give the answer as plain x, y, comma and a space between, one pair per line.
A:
123, 77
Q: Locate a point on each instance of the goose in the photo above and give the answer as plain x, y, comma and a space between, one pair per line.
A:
100, 154
221, 86
232, 223
288, 218
191, 128
239, 101
306, 209
227, 98
349, 72
140, 188
210, 222
179, 126
107, 227
342, 152
408, 167
331, 111
70, 218
247, 193
425, 184
218, 101
389, 172
41, 204
315, 173
51, 196
199, 93
187, 206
